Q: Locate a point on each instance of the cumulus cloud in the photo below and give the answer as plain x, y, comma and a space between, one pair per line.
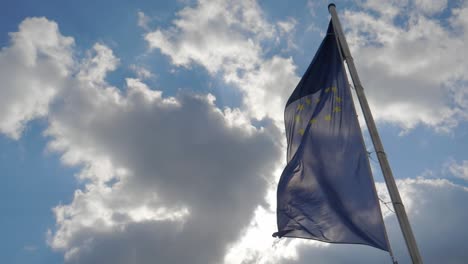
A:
226, 38
431, 7
162, 174
33, 69
412, 70
141, 72
287, 25
213, 34
184, 175
143, 20
457, 169
286, 30
169, 178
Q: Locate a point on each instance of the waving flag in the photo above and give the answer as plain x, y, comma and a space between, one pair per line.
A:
326, 191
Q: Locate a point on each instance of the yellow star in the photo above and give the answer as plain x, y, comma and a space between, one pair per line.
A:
298, 118
327, 117
301, 132
313, 120
327, 90
317, 100
334, 89
338, 99
308, 101
300, 107
337, 109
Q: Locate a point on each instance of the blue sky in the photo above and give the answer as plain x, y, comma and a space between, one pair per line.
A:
130, 130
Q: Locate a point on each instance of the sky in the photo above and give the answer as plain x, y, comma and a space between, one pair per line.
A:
152, 131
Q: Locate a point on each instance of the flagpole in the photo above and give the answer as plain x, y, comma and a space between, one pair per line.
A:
386, 170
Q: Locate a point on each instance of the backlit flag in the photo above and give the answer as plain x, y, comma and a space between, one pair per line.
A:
326, 191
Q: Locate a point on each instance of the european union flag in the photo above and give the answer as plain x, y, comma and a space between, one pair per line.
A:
326, 191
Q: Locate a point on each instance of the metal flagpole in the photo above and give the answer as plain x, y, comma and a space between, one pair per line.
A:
386, 171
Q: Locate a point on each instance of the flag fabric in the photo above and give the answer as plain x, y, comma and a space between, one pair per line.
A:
326, 192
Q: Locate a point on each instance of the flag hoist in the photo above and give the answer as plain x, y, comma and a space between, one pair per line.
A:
326, 191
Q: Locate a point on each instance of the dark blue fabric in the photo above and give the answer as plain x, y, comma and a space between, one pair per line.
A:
326, 191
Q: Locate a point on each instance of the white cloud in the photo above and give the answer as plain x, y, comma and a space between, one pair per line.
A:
288, 25
389, 9
32, 69
98, 63
226, 37
459, 170
183, 171
212, 34
312, 6
412, 72
286, 31
175, 178
431, 7
143, 20
141, 72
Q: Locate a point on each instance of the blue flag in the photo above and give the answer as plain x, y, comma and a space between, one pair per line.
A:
326, 191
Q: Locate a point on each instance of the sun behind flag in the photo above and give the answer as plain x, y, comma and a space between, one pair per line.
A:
326, 191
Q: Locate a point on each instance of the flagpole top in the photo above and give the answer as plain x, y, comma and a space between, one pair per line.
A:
330, 5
